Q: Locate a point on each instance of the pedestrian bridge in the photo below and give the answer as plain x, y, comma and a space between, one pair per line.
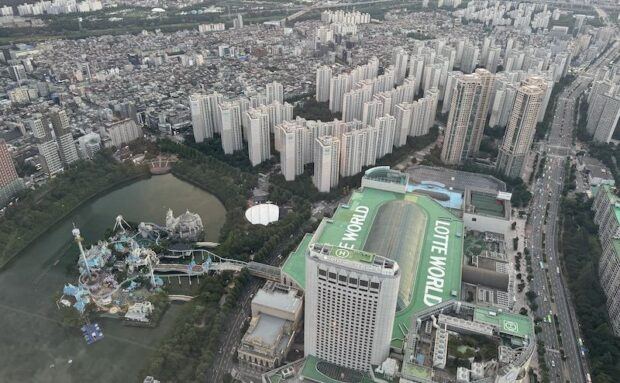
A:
210, 261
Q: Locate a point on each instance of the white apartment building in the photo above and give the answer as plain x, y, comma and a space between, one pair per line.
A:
46, 145
371, 110
403, 114
338, 86
323, 80
292, 153
400, 60
353, 101
353, 148
402, 93
231, 127
62, 131
470, 58
603, 111
423, 114
274, 92
201, 125
503, 99
326, 163
416, 69
259, 144
450, 84
386, 127
606, 210
123, 132
206, 118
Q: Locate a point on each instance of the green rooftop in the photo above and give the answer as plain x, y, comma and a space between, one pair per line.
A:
414, 230
410, 369
385, 174
487, 204
437, 216
511, 324
295, 264
351, 254
351, 223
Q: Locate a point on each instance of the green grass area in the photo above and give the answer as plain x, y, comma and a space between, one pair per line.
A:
410, 369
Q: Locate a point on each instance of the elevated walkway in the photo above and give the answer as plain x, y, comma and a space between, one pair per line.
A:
213, 262
261, 270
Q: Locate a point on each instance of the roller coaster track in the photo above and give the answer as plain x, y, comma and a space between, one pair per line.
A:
215, 263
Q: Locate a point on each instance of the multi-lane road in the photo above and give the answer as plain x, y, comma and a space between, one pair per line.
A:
561, 334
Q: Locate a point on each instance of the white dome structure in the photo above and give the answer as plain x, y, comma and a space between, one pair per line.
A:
263, 214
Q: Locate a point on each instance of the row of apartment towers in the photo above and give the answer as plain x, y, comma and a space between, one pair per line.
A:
465, 96
376, 117
54, 140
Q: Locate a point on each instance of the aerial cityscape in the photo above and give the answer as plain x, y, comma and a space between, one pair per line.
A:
325, 191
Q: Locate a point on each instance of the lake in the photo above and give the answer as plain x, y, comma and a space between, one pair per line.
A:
34, 347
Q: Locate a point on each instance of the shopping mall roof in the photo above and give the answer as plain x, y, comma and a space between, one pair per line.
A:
506, 323
414, 230
278, 299
385, 174
266, 331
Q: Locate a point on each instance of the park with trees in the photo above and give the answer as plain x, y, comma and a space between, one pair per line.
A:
35, 211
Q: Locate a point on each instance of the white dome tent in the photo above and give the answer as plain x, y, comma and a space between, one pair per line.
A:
263, 214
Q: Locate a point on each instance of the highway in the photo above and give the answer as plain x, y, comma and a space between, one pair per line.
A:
553, 298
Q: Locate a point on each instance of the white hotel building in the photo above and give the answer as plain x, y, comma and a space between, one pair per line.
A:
350, 302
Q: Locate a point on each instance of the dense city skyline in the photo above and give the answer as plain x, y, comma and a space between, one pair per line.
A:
311, 191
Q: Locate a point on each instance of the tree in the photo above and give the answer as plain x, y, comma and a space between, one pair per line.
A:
41, 208
515, 243
310, 109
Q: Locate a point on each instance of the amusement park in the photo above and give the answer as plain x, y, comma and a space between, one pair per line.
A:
123, 275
